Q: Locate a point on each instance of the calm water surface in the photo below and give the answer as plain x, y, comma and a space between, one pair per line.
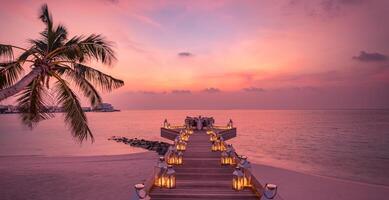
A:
347, 144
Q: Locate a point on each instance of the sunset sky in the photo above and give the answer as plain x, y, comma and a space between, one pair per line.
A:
272, 54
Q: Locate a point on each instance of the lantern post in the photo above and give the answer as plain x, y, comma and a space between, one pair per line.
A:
170, 177
246, 166
237, 179
159, 171
270, 191
165, 124
140, 193
231, 152
224, 158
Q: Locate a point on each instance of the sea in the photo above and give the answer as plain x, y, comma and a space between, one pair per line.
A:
345, 144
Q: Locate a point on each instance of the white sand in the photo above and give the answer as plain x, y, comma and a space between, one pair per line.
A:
75, 178
110, 177
296, 186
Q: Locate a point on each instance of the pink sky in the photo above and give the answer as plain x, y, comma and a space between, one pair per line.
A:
230, 54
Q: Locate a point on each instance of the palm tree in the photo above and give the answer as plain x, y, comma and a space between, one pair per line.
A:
56, 64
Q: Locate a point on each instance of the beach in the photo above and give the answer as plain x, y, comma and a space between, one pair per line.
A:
112, 177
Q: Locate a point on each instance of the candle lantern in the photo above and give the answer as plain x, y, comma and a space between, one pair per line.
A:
224, 158
222, 144
175, 158
231, 154
237, 179
227, 158
188, 131
170, 178
184, 136
179, 158
246, 166
216, 145
159, 170
181, 145
213, 137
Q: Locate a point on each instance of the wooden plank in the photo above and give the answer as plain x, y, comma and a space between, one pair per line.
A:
201, 176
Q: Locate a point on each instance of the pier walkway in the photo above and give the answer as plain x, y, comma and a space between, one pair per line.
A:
201, 176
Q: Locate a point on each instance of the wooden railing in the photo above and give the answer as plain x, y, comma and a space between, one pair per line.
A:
176, 127
149, 184
221, 127
227, 133
169, 134
256, 186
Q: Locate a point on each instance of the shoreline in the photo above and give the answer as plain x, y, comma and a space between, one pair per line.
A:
302, 172
87, 177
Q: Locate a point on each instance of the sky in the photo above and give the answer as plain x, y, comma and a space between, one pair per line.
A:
246, 54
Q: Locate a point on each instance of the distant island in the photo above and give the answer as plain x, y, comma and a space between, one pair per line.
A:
103, 107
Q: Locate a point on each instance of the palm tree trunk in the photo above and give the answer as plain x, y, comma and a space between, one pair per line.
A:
20, 85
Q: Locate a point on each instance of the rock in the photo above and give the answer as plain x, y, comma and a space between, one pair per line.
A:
157, 146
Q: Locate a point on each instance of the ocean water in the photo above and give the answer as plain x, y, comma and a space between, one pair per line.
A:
346, 144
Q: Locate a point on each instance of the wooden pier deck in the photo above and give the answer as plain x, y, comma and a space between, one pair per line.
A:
201, 176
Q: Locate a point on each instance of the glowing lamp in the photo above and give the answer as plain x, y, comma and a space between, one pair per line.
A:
227, 158
222, 144
184, 136
159, 170
175, 158
213, 137
224, 158
181, 145
246, 166
216, 145
170, 178
237, 179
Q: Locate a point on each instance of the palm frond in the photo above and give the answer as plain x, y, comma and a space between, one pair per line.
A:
6, 52
93, 47
9, 73
106, 82
84, 85
46, 17
74, 116
41, 46
31, 104
59, 37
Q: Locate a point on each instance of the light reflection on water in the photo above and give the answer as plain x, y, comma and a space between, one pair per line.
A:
349, 144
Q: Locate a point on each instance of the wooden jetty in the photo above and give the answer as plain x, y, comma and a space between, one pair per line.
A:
201, 174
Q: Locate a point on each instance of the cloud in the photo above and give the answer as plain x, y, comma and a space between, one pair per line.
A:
331, 5
112, 1
148, 92
253, 89
324, 8
211, 90
370, 57
181, 92
185, 54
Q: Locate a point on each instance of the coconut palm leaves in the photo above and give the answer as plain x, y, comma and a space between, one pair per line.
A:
55, 59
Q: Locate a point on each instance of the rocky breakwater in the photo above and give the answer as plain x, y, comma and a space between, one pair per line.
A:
159, 147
